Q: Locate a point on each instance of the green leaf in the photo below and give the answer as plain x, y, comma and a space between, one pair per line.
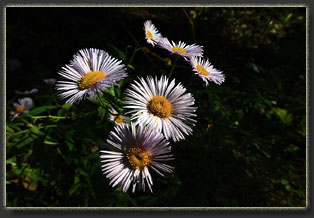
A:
288, 17
130, 66
12, 161
9, 129
14, 126
261, 149
41, 109
303, 126
284, 116
66, 106
102, 112
110, 90
284, 181
120, 53
236, 153
70, 145
254, 67
36, 131
50, 142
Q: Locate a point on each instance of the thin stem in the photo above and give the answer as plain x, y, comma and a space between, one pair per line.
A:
126, 50
174, 66
164, 60
53, 96
100, 100
156, 55
23, 131
191, 22
48, 116
138, 44
131, 59
91, 187
253, 50
113, 101
191, 80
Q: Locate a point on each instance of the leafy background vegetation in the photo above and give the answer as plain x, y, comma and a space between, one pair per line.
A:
247, 149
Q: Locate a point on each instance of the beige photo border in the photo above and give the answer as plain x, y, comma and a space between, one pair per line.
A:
159, 208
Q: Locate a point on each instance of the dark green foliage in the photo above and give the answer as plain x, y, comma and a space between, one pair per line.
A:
248, 146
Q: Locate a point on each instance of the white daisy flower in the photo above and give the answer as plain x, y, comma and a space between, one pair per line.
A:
50, 82
151, 33
117, 118
89, 73
26, 92
206, 71
186, 51
165, 107
135, 151
23, 105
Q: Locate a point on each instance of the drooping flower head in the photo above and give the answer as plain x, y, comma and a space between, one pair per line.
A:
50, 82
133, 152
206, 71
90, 72
166, 107
152, 35
186, 51
23, 105
117, 118
26, 92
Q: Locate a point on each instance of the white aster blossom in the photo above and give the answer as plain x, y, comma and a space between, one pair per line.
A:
181, 48
117, 118
151, 33
90, 72
23, 105
134, 152
206, 71
162, 105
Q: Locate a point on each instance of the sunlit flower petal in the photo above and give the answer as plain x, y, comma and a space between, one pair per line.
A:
206, 71
117, 118
133, 152
151, 33
89, 73
23, 105
186, 51
164, 106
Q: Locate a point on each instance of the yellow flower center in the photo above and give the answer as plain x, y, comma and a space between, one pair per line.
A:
160, 107
179, 50
118, 119
138, 157
90, 79
149, 35
202, 70
20, 109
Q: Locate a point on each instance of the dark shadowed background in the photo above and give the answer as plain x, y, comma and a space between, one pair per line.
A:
247, 148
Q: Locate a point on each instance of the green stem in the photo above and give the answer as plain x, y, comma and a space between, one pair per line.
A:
101, 101
173, 66
113, 101
131, 59
26, 130
191, 22
53, 96
191, 80
48, 116
91, 187
138, 44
